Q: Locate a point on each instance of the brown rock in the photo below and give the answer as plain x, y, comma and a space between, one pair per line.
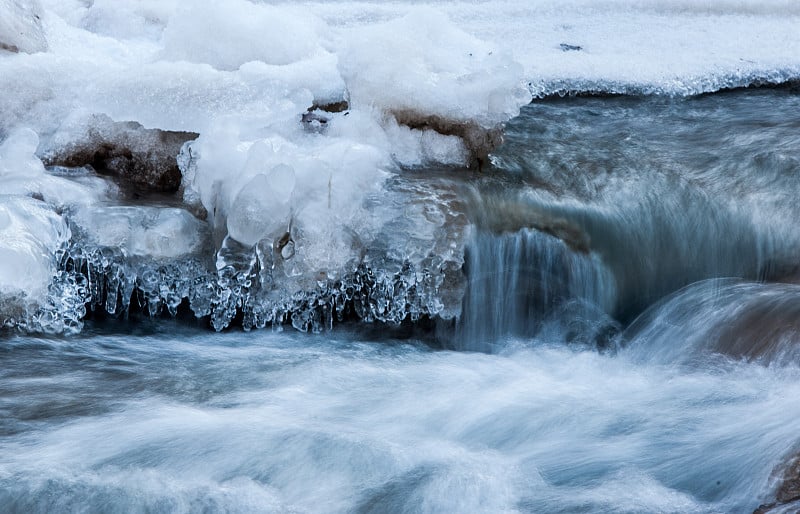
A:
787, 496
143, 158
479, 140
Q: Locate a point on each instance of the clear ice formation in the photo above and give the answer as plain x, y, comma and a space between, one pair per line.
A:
113, 261
102, 279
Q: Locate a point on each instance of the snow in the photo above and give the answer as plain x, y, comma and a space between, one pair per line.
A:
21, 26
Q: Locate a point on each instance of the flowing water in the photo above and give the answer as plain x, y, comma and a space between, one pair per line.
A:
628, 342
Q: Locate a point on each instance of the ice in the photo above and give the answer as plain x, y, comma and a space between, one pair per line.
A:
424, 64
262, 207
154, 232
21, 26
17, 155
30, 233
31, 230
414, 148
22, 173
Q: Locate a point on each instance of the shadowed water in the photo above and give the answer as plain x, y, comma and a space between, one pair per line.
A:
641, 195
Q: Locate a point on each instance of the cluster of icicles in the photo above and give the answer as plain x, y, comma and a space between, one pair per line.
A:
102, 281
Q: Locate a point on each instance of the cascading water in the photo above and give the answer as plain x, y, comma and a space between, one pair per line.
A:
519, 283
377, 278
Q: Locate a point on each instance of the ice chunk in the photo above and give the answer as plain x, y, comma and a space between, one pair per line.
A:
262, 206
281, 180
435, 69
154, 232
255, 213
22, 173
17, 155
30, 233
420, 147
21, 26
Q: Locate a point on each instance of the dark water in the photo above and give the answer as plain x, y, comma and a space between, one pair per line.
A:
630, 289
636, 198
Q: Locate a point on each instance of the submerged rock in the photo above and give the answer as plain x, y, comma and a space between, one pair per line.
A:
787, 494
143, 158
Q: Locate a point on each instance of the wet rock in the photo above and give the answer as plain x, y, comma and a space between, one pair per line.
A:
479, 140
787, 495
332, 107
499, 214
316, 118
143, 158
766, 329
21, 26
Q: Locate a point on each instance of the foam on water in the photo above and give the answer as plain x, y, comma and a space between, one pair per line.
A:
271, 423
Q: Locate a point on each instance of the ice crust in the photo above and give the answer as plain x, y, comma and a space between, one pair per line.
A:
306, 112
103, 279
31, 226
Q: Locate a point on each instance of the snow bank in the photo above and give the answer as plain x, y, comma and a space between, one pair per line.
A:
229, 34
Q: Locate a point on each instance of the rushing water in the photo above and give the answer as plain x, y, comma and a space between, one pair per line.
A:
268, 422
629, 294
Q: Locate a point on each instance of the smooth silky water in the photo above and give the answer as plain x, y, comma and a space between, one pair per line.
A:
625, 345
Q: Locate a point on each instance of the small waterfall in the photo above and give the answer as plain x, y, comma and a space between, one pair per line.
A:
537, 261
519, 282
